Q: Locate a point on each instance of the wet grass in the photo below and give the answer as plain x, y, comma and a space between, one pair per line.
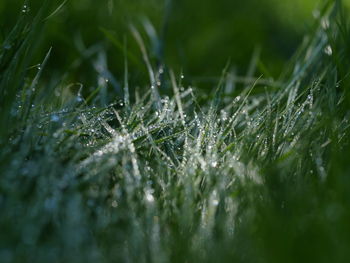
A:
257, 173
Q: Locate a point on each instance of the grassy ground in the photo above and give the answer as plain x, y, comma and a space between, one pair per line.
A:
252, 174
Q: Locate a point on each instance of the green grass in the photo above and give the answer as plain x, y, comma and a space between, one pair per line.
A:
257, 172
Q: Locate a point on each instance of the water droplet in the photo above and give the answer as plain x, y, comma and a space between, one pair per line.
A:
165, 100
149, 196
223, 115
325, 23
237, 99
328, 50
214, 198
79, 98
114, 204
182, 76
25, 9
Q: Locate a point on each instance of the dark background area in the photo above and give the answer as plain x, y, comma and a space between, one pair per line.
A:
196, 37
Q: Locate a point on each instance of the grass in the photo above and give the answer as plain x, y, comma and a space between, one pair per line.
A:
257, 173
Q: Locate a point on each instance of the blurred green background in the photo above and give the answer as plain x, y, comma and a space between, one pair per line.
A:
197, 37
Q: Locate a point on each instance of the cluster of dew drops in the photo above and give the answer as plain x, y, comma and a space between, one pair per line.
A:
25, 9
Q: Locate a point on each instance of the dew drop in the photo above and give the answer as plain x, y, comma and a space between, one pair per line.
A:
328, 50
223, 115
325, 23
25, 9
149, 196
79, 98
55, 118
114, 204
215, 202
